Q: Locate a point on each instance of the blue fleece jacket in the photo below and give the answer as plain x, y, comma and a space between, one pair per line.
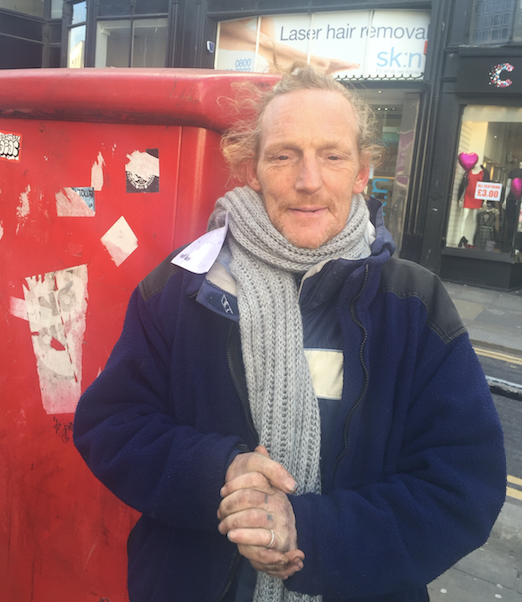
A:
414, 474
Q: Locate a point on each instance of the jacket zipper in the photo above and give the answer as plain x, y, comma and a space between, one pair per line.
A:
240, 390
233, 369
233, 570
364, 367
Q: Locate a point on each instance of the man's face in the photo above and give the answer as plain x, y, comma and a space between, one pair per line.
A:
308, 166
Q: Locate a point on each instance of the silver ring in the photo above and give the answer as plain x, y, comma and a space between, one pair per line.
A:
272, 540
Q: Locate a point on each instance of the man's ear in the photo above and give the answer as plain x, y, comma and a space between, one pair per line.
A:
251, 175
362, 179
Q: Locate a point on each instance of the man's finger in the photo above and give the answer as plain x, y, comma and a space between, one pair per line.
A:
261, 449
278, 573
259, 461
249, 480
294, 563
253, 537
244, 499
252, 518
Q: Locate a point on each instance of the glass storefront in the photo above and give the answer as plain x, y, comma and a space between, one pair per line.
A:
131, 43
27, 7
396, 113
485, 202
125, 35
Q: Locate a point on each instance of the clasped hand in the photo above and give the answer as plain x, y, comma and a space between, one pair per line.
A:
255, 505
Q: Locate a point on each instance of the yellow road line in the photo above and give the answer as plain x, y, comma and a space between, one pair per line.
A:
514, 493
497, 355
514, 480
511, 491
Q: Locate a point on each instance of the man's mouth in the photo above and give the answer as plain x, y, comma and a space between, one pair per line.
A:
308, 209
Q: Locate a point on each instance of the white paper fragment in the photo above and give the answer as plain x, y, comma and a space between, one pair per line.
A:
56, 305
17, 308
1, 228
143, 165
120, 241
200, 255
24, 207
70, 204
97, 173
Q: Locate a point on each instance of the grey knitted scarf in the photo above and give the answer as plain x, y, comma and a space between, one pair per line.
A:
282, 400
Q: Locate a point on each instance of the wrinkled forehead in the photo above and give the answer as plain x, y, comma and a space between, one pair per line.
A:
303, 110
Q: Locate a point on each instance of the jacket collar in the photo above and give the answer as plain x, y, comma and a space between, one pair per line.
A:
218, 290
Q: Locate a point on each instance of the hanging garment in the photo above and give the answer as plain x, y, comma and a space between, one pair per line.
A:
486, 220
470, 202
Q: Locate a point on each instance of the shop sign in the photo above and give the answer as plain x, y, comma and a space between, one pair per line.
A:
489, 75
488, 191
354, 44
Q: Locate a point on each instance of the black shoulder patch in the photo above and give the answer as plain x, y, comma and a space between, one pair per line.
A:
408, 279
155, 281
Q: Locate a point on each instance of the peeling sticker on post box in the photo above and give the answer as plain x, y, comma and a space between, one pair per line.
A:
75, 202
87, 196
56, 305
142, 171
120, 241
97, 173
10, 146
23, 209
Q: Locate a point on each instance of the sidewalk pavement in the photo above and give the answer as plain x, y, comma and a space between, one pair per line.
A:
493, 318
493, 572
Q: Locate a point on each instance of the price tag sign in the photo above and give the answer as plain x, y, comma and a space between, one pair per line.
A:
488, 191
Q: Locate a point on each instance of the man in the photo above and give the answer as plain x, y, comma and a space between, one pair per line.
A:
297, 415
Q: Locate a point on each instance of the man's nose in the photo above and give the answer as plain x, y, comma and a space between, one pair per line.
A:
309, 177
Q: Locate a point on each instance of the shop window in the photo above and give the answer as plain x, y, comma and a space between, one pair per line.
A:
492, 21
388, 125
56, 9
27, 7
76, 44
396, 113
150, 7
112, 8
487, 187
517, 28
131, 43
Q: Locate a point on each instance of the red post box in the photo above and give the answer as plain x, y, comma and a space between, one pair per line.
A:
102, 174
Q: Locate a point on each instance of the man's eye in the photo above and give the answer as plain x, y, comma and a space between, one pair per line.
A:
282, 157
333, 157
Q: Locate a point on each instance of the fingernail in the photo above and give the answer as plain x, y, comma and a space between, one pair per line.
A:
291, 485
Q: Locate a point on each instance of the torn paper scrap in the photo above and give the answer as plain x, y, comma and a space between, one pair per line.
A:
75, 202
56, 306
97, 173
120, 241
142, 171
